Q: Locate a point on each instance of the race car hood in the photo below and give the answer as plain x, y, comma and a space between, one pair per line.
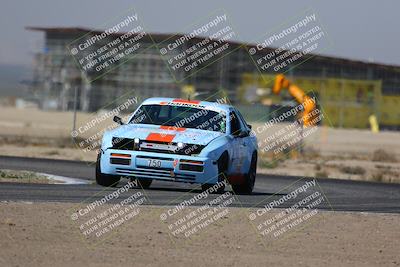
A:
165, 134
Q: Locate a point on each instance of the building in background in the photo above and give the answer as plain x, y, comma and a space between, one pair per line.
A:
57, 79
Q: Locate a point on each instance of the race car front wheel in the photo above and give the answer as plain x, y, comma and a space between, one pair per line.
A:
105, 179
222, 168
247, 186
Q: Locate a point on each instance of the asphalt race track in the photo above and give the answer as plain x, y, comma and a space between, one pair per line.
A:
341, 195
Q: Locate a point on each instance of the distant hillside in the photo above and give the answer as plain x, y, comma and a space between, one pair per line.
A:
11, 77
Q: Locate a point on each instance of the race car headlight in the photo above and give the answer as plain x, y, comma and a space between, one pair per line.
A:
136, 143
180, 145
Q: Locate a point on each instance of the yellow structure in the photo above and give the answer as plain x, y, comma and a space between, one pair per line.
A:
188, 92
282, 83
390, 112
373, 121
344, 102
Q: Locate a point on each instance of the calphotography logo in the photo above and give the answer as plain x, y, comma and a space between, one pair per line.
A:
88, 134
98, 52
196, 213
284, 214
189, 53
291, 44
99, 218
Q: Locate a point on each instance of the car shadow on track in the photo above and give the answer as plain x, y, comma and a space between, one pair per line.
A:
178, 188
198, 191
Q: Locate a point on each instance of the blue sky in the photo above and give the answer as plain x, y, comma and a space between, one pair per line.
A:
364, 30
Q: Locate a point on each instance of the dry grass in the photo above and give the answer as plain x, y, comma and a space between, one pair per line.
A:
322, 174
357, 170
57, 142
383, 156
377, 177
22, 176
311, 153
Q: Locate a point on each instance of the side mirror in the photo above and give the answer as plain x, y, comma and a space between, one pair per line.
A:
118, 120
243, 134
250, 127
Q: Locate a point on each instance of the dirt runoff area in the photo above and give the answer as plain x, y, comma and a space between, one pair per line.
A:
43, 234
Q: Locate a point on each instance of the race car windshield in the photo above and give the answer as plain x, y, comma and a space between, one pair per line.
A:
180, 117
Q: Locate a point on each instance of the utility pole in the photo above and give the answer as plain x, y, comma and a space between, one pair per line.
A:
75, 107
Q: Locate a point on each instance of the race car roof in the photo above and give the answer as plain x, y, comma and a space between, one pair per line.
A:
215, 106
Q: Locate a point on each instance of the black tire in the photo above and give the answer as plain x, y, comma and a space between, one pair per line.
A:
247, 187
142, 183
105, 179
222, 168
223, 162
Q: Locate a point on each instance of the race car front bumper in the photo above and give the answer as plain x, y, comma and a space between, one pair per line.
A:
159, 166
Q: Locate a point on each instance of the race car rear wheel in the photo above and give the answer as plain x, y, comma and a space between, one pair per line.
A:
247, 186
105, 179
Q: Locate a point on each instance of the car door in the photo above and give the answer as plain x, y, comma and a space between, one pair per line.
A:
238, 143
247, 144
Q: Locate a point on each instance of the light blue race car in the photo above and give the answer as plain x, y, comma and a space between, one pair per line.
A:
182, 141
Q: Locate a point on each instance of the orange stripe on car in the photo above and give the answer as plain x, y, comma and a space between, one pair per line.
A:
160, 137
120, 155
196, 102
172, 128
